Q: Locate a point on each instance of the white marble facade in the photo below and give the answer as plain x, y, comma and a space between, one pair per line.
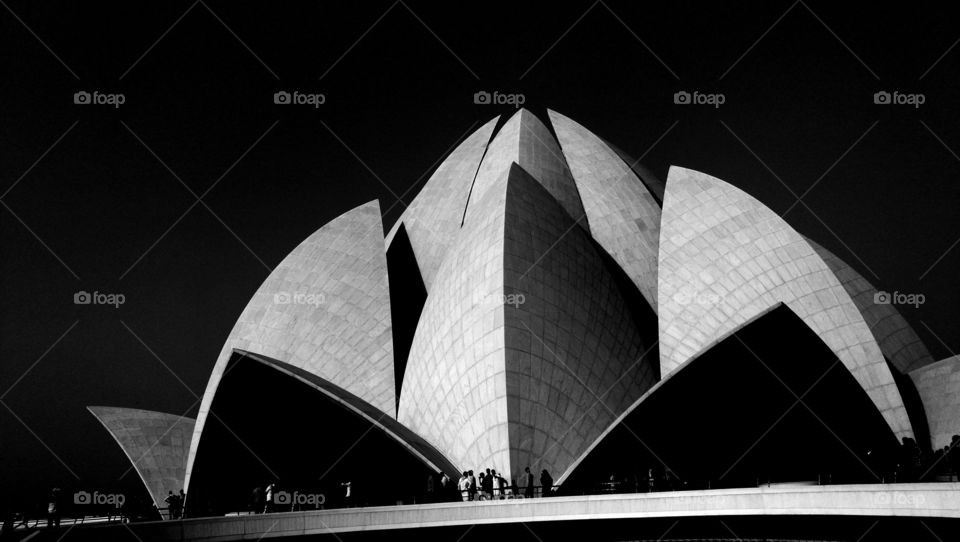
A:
725, 258
156, 444
525, 352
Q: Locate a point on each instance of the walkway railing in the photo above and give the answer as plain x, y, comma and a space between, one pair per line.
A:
451, 494
30, 524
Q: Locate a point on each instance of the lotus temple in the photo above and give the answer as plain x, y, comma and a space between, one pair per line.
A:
546, 302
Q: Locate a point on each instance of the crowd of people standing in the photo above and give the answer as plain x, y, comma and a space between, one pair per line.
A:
909, 464
914, 464
488, 485
175, 504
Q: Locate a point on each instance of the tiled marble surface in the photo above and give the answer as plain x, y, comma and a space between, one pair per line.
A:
326, 309
156, 444
939, 388
897, 339
433, 218
503, 381
624, 217
725, 257
527, 141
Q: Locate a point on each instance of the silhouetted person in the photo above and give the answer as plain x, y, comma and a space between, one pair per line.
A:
454, 494
953, 455
546, 483
446, 488
268, 498
908, 461
936, 463
181, 504
528, 488
256, 500
431, 488
348, 497
53, 508
473, 485
499, 485
171, 502
178, 505
494, 484
463, 485
651, 481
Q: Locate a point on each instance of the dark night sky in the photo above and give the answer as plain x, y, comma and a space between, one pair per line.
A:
199, 89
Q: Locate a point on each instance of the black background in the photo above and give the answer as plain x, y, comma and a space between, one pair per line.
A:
399, 81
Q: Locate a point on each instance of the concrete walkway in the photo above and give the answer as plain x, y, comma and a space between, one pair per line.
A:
940, 500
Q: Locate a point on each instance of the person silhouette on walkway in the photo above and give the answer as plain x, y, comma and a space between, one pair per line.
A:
487, 486
463, 485
444, 494
256, 505
546, 483
53, 508
953, 456
171, 502
431, 488
268, 505
528, 489
499, 485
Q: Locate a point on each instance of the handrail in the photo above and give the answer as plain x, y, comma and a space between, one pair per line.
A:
452, 494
